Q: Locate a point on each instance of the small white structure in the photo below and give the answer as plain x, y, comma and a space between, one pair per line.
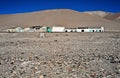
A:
19, 29
27, 29
42, 35
42, 29
58, 29
11, 30
102, 29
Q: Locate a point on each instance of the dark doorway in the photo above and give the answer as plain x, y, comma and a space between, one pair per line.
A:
82, 31
71, 31
93, 30
99, 30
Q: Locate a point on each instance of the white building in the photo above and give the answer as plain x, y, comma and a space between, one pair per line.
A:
90, 29
58, 29
19, 29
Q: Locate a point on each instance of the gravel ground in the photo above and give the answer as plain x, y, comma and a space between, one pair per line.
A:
60, 55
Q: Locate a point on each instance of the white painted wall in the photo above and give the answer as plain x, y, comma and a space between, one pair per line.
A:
102, 28
86, 30
78, 30
91, 30
58, 29
70, 30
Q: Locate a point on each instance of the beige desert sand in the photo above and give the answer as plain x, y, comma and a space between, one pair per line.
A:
64, 17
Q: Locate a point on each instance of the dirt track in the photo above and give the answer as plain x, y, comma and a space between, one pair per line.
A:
60, 55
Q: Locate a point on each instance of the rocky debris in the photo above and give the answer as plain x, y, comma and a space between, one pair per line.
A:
24, 64
118, 68
61, 57
42, 35
74, 65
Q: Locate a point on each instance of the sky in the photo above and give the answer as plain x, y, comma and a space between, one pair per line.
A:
22, 6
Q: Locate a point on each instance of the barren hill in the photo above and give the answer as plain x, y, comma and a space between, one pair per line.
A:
65, 17
105, 15
98, 13
114, 17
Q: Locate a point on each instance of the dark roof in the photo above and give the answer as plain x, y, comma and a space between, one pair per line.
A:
36, 26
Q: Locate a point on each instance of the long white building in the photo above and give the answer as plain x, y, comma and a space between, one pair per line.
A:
90, 29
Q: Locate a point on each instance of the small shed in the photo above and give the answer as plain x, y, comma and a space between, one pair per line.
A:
42, 29
19, 29
58, 29
10, 30
27, 29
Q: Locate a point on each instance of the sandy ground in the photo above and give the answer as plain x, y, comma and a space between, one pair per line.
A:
57, 17
60, 55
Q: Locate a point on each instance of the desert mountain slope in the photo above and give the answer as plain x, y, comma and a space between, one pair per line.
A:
65, 17
114, 17
105, 15
98, 13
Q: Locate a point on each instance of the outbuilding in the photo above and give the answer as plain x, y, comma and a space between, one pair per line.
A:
90, 29
10, 30
19, 29
42, 29
58, 29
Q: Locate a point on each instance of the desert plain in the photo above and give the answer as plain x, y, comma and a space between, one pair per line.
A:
60, 55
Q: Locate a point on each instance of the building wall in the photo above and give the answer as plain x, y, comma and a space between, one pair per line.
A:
70, 30
90, 30
58, 29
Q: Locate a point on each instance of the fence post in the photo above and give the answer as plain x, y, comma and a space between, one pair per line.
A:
42, 35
